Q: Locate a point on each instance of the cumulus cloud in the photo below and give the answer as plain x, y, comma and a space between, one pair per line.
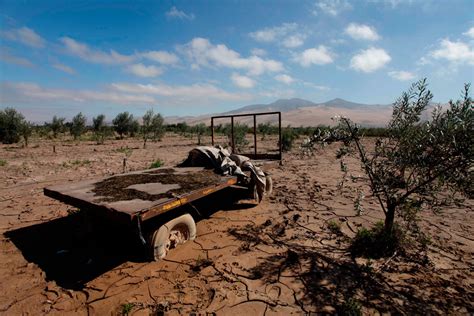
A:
64, 68
86, 53
469, 32
331, 7
370, 60
361, 32
271, 34
454, 51
286, 79
259, 52
242, 81
314, 56
285, 34
203, 53
294, 41
161, 57
144, 71
181, 94
402, 75
175, 13
32, 92
25, 36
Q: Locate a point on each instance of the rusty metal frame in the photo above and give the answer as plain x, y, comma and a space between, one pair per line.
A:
253, 155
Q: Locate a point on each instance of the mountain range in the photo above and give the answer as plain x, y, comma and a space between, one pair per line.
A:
300, 112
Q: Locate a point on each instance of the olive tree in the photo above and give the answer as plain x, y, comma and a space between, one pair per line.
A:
78, 125
57, 125
123, 123
420, 163
99, 128
11, 123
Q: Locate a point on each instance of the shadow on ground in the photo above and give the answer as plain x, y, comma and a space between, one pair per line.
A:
73, 252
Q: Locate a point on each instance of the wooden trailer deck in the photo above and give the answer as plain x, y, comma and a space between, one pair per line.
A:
143, 194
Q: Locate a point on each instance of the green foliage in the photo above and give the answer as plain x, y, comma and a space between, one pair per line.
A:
200, 130
419, 159
125, 150
78, 125
334, 227
264, 129
99, 128
240, 131
3, 163
124, 124
157, 164
350, 307
152, 124
287, 138
377, 242
127, 308
11, 123
57, 125
158, 128
26, 129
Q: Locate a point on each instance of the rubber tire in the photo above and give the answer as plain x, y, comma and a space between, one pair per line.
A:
160, 237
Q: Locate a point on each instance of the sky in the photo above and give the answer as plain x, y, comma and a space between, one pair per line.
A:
195, 57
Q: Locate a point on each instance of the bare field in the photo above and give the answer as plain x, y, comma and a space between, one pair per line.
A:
280, 257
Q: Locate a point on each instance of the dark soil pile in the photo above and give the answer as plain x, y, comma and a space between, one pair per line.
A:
116, 188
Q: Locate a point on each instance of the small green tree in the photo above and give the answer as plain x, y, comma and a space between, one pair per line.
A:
99, 128
200, 130
123, 123
288, 136
78, 125
146, 128
240, 132
420, 161
11, 123
264, 129
157, 127
57, 125
26, 129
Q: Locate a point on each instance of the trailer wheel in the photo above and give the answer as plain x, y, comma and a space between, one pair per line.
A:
173, 233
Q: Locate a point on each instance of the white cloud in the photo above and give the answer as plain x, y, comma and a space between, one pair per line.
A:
284, 34
182, 94
317, 56
286, 79
11, 59
92, 55
455, 52
316, 86
144, 71
331, 7
203, 53
175, 13
242, 81
362, 32
64, 68
25, 36
258, 52
32, 92
469, 32
271, 34
294, 41
402, 75
161, 57
370, 60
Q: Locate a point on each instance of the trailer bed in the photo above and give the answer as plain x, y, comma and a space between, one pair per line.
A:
143, 194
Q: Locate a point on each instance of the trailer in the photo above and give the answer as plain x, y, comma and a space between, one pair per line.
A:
142, 197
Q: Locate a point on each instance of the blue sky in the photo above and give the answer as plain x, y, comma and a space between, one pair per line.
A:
195, 57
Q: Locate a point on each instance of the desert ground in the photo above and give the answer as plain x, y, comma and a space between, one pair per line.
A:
287, 255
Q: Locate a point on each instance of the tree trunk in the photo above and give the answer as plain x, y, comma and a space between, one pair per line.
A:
390, 217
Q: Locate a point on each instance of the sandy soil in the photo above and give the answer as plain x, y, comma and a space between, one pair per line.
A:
279, 257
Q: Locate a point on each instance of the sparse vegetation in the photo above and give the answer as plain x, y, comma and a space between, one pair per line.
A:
78, 125
287, 138
157, 164
11, 125
127, 308
200, 130
240, 132
124, 124
334, 227
3, 162
99, 128
377, 242
57, 125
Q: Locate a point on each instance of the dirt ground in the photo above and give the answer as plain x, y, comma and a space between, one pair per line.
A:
283, 256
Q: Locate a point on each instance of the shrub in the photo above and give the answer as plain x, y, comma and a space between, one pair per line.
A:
11, 123
3, 163
334, 227
377, 242
78, 125
156, 164
287, 138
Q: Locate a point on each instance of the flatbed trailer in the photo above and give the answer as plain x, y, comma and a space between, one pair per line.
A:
140, 196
